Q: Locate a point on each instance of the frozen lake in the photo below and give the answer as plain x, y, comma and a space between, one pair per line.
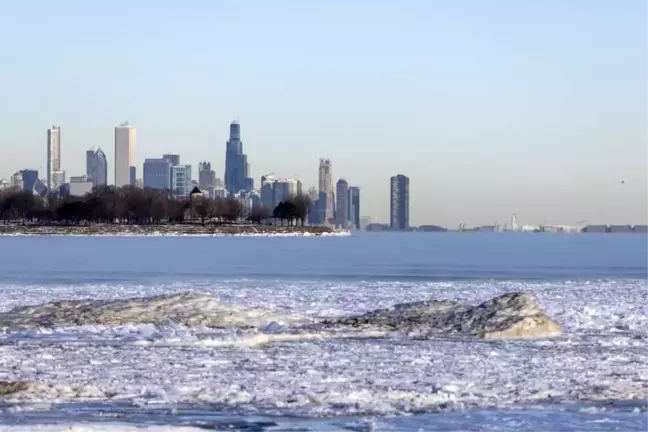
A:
170, 376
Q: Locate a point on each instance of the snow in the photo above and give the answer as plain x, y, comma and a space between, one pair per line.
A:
266, 369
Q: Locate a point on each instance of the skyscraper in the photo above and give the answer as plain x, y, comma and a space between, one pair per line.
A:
326, 204
399, 202
312, 193
125, 137
174, 159
285, 189
354, 207
97, 167
132, 175
237, 176
53, 154
342, 208
30, 179
181, 180
267, 191
89, 163
206, 176
157, 174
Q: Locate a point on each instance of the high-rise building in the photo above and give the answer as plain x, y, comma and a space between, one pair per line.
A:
89, 163
17, 180
326, 206
399, 202
206, 176
237, 176
80, 185
181, 180
354, 207
157, 174
342, 208
125, 137
267, 191
174, 159
312, 193
29, 179
132, 176
286, 188
97, 167
53, 154
58, 179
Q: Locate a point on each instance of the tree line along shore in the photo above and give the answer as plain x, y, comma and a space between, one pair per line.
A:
111, 209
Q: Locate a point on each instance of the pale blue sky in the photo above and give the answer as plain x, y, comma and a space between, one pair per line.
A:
490, 107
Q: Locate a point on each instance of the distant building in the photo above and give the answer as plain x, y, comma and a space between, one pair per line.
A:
58, 178
285, 188
181, 180
218, 192
399, 202
4, 184
354, 207
133, 176
267, 191
342, 207
206, 176
53, 154
326, 205
80, 185
365, 221
620, 229
595, 229
196, 194
312, 193
377, 227
321, 209
97, 167
640, 228
29, 179
125, 137
17, 180
40, 188
157, 174
174, 159
237, 176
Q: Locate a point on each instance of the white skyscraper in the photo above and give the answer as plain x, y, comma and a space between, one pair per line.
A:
125, 137
326, 190
53, 155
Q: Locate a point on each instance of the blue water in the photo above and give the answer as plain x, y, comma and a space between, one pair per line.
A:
593, 284
379, 256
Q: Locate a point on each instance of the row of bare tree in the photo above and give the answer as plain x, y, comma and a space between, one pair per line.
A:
131, 205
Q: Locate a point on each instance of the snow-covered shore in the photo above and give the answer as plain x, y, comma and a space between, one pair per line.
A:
194, 230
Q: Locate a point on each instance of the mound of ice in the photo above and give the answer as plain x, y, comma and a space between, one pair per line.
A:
510, 316
36, 390
188, 309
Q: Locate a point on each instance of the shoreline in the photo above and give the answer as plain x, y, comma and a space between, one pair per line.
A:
175, 230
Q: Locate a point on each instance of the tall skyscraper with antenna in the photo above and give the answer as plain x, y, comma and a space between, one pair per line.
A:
237, 176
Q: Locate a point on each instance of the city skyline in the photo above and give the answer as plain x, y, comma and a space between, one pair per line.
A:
486, 119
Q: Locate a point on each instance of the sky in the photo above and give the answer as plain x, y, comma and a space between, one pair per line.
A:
495, 107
